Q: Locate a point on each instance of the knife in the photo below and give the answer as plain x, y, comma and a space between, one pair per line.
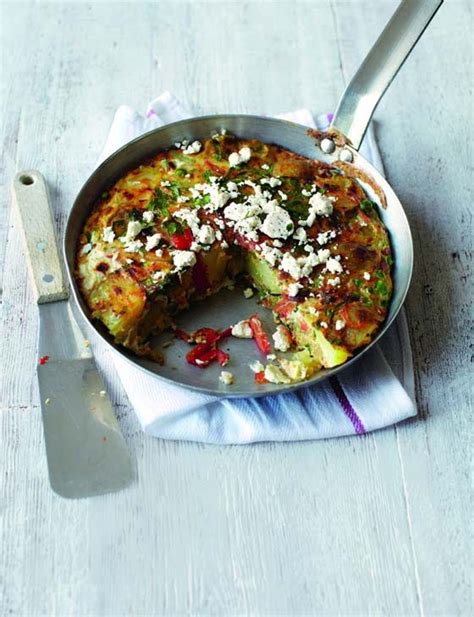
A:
86, 452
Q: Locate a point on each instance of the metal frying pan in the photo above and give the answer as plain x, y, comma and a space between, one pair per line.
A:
341, 142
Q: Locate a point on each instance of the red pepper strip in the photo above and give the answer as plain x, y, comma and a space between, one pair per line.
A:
214, 168
225, 333
202, 355
43, 359
260, 377
182, 241
263, 343
222, 357
205, 335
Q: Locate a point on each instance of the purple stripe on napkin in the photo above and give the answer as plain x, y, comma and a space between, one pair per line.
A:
346, 406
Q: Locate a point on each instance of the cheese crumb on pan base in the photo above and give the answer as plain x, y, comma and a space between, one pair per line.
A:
300, 233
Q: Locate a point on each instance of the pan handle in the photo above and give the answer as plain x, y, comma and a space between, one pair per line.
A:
380, 66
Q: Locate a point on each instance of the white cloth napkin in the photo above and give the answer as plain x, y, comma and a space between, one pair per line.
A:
375, 392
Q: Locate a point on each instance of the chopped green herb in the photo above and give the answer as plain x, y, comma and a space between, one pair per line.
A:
180, 172
379, 274
175, 190
207, 175
366, 205
358, 282
335, 171
173, 227
381, 288
105, 195
164, 163
202, 201
159, 202
389, 259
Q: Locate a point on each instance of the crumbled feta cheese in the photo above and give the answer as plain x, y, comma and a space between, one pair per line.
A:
270, 254
152, 241
281, 339
133, 229
273, 182
133, 246
324, 237
108, 234
193, 148
245, 154
159, 252
183, 259
323, 324
87, 248
242, 329
340, 324
321, 204
298, 267
271, 356
265, 166
283, 196
257, 366
165, 183
323, 255
226, 378
277, 223
148, 216
275, 375
300, 235
367, 276
248, 293
242, 156
333, 266
293, 289
158, 276
334, 282
206, 235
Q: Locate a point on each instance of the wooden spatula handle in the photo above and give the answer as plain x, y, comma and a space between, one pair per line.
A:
30, 194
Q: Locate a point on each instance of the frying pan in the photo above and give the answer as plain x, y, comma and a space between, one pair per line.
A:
340, 143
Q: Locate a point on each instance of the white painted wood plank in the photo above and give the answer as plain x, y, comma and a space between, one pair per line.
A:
369, 526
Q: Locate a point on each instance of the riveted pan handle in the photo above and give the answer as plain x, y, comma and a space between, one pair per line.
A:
30, 195
380, 66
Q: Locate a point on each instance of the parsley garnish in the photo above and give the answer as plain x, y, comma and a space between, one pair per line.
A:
159, 202
207, 175
164, 163
366, 205
175, 190
202, 201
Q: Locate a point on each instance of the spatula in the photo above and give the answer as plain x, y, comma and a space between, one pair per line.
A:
86, 451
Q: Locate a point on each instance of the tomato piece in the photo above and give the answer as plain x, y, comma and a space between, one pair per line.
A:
182, 241
260, 377
43, 359
222, 357
202, 355
206, 335
225, 333
259, 334
284, 307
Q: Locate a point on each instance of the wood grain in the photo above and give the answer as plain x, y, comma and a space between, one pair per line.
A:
379, 525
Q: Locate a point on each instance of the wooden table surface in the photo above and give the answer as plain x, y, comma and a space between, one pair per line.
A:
378, 525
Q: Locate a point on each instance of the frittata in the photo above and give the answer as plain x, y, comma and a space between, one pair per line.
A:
300, 233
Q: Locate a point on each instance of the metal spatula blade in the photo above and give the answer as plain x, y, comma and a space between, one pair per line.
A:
85, 449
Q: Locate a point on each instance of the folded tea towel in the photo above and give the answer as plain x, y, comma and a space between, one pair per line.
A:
373, 393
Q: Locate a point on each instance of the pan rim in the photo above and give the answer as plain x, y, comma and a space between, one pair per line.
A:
79, 304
